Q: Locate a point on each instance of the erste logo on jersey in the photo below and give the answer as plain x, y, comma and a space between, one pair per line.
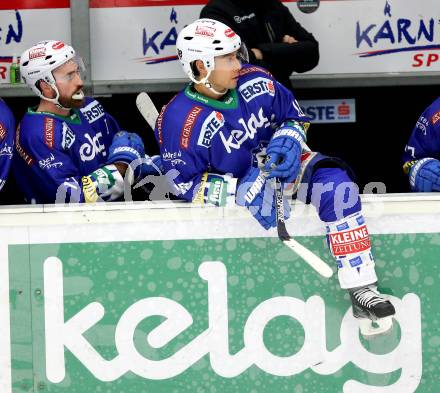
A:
256, 87
188, 126
210, 127
93, 111
68, 137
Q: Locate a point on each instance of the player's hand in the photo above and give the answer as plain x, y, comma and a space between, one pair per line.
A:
126, 147
258, 54
256, 193
284, 154
424, 176
287, 39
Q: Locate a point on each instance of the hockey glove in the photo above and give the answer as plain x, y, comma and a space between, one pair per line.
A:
424, 176
127, 147
151, 166
256, 193
284, 152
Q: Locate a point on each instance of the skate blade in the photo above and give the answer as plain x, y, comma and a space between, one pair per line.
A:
371, 328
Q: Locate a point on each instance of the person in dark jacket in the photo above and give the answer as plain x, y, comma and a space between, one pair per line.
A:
274, 38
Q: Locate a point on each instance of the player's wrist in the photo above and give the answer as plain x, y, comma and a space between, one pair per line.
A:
293, 129
121, 167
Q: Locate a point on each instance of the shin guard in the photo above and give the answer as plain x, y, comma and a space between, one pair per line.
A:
349, 242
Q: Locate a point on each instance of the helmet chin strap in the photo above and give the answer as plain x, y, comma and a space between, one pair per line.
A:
77, 96
208, 84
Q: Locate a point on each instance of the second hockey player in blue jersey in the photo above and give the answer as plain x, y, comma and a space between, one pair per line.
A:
234, 128
7, 131
68, 148
422, 153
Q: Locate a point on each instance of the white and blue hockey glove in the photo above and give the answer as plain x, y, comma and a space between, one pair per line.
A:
424, 176
258, 195
127, 147
284, 152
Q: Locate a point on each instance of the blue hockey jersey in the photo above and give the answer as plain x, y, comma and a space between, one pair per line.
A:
7, 130
57, 150
425, 138
197, 134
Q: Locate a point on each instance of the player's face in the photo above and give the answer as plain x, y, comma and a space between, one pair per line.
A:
69, 84
226, 71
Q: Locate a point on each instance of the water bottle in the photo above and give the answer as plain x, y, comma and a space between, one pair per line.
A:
14, 71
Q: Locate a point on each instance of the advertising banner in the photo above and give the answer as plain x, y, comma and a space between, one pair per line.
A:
135, 39
355, 36
160, 300
23, 23
330, 111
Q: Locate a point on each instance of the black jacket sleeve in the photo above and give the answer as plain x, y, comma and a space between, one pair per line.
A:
302, 55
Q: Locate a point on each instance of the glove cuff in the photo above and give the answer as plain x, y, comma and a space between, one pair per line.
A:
415, 169
292, 129
125, 154
217, 190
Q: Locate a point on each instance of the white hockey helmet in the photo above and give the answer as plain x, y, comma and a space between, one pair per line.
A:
38, 62
205, 39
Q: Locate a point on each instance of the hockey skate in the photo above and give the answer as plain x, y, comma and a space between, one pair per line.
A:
374, 311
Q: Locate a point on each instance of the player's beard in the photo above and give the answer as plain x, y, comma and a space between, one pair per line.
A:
76, 100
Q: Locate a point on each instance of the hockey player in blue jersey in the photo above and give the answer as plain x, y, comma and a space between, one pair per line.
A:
422, 153
68, 148
7, 130
213, 138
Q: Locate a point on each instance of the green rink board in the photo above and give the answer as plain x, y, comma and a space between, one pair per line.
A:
119, 274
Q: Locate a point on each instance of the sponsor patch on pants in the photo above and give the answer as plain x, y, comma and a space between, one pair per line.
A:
350, 242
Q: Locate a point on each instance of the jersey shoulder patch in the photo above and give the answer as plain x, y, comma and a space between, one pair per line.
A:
253, 69
3, 131
92, 110
22, 151
433, 113
435, 118
179, 122
42, 127
159, 120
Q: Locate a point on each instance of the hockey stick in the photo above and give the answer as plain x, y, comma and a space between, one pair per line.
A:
148, 110
313, 260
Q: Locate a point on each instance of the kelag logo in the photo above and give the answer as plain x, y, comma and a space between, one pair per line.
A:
155, 44
61, 335
413, 33
186, 315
